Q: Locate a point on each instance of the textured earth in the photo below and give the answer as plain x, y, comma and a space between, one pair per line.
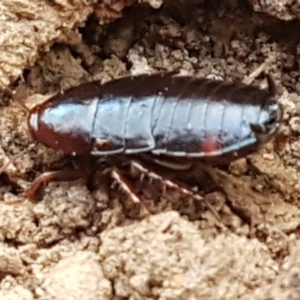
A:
72, 242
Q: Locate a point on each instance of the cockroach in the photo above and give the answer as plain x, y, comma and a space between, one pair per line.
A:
171, 120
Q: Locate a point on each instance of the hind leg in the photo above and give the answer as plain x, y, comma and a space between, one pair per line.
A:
166, 183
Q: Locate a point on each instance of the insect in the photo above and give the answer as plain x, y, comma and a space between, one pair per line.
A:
169, 120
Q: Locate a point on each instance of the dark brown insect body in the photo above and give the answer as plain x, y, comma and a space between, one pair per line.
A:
167, 119
161, 114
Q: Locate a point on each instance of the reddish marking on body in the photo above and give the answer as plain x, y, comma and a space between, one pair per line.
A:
211, 144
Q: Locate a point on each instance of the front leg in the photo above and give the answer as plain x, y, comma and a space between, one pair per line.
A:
83, 171
63, 175
126, 187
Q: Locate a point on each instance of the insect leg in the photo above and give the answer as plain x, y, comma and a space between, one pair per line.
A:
63, 175
125, 185
271, 85
171, 184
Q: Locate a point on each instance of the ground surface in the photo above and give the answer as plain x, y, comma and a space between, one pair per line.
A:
77, 244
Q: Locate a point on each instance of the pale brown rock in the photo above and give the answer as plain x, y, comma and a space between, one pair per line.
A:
77, 277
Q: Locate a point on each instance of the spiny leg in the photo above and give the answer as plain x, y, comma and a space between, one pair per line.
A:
170, 184
125, 185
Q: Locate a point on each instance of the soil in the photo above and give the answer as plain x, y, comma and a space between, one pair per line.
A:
72, 242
